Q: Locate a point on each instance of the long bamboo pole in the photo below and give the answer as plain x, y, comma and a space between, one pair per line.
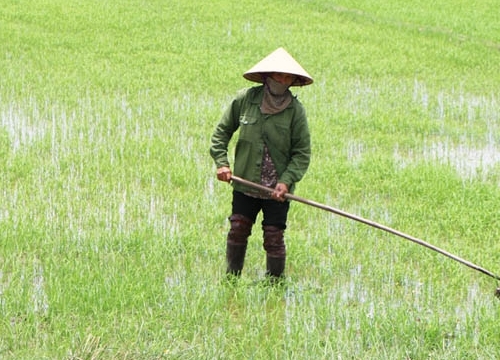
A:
370, 223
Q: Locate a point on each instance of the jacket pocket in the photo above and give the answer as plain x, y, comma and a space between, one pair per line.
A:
280, 137
248, 128
247, 120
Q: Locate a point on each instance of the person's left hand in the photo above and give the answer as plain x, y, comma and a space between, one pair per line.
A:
279, 192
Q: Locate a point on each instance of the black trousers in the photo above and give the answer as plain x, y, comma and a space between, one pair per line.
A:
274, 212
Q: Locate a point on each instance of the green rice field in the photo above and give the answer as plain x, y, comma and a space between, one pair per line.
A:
113, 224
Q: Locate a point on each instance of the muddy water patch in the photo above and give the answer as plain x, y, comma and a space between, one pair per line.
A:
469, 161
21, 125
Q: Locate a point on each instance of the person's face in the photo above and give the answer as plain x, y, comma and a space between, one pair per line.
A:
283, 78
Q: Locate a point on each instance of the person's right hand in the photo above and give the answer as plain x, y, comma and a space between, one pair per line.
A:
224, 174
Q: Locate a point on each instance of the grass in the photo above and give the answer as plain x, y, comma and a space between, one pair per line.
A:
112, 224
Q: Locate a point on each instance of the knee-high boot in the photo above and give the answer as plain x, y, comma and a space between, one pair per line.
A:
274, 244
237, 240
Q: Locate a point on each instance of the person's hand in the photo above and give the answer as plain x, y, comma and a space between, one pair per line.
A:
224, 174
279, 192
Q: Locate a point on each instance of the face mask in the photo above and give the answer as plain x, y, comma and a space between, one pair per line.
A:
276, 88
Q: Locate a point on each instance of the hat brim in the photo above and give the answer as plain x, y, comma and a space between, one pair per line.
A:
259, 77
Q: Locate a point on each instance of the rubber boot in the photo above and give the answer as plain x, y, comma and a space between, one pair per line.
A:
274, 244
235, 255
275, 269
237, 240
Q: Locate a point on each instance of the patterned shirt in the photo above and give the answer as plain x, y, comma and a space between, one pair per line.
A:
268, 177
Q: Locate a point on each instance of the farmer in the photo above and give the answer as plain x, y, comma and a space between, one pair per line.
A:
273, 149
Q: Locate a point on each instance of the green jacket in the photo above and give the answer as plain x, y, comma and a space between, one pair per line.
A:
286, 135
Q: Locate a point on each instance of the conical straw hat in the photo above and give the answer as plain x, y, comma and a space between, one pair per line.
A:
279, 61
